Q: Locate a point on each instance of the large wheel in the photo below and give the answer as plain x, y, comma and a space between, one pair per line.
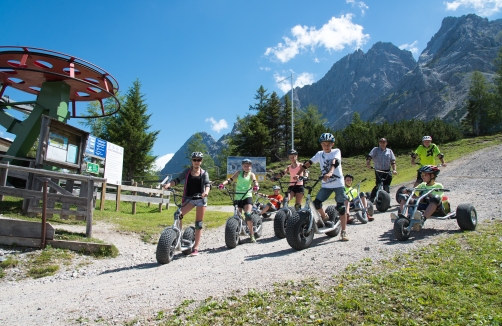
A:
280, 222
188, 235
400, 229
467, 217
382, 201
166, 246
399, 192
333, 216
258, 224
297, 233
362, 217
232, 229
370, 209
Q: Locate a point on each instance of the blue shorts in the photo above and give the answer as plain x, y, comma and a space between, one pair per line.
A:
324, 194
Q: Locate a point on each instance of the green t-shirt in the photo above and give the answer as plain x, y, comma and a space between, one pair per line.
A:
424, 185
351, 193
243, 184
427, 154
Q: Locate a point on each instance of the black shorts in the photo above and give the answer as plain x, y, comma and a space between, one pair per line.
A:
296, 189
243, 202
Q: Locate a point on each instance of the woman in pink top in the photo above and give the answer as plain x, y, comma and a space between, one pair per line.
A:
295, 186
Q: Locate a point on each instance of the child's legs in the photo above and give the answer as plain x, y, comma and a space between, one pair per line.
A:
321, 197
340, 199
184, 210
247, 216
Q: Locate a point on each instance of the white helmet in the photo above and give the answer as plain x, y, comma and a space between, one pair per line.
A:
426, 138
276, 187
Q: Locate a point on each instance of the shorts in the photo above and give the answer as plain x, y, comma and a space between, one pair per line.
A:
198, 202
243, 202
324, 194
271, 207
296, 189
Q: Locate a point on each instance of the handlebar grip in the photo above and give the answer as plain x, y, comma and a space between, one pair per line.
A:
364, 179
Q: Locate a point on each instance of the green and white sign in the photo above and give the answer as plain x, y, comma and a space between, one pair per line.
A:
93, 168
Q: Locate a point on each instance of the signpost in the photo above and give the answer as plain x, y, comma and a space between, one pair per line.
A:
92, 168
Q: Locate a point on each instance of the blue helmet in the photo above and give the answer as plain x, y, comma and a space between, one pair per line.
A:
327, 137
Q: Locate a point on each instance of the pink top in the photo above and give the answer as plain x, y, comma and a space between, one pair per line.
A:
292, 173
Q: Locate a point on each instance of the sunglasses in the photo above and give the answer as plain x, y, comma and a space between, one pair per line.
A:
196, 160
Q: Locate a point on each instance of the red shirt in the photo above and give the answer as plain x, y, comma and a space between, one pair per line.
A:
277, 203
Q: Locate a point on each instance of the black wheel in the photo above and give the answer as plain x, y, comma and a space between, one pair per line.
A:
467, 217
297, 233
362, 217
382, 201
334, 217
370, 209
400, 229
258, 224
188, 235
232, 229
280, 222
398, 192
166, 246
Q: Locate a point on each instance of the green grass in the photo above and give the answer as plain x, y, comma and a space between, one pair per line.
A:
457, 281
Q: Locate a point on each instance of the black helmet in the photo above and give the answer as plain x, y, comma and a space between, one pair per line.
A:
430, 169
348, 175
197, 155
247, 161
292, 152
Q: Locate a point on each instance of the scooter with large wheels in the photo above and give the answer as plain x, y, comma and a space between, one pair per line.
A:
413, 219
382, 196
236, 226
284, 214
172, 239
306, 222
356, 205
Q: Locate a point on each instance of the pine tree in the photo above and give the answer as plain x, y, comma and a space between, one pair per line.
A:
480, 112
262, 98
308, 127
129, 129
98, 126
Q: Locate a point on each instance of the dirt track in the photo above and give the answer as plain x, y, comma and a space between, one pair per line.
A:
134, 286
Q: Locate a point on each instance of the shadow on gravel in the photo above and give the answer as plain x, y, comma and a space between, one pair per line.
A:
388, 237
320, 241
140, 266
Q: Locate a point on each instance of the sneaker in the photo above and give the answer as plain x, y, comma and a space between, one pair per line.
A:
370, 218
195, 252
253, 240
350, 220
343, 236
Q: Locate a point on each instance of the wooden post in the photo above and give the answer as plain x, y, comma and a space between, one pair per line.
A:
103, 196
90, 207
149, 195
44, 216
134, 193
51, 203
83, 193
29, 186
161, 204
3, 178
117, 199
68, 187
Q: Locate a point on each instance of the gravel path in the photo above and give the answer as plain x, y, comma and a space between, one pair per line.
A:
133, 285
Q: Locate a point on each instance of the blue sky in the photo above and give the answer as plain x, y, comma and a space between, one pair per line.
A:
200, 62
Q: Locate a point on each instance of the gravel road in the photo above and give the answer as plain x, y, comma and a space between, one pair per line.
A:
133, 286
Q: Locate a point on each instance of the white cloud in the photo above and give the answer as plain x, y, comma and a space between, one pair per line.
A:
217, 125
284, 82
160, 162
359, 4
410, 47
481, 7
265, 68
333, 36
